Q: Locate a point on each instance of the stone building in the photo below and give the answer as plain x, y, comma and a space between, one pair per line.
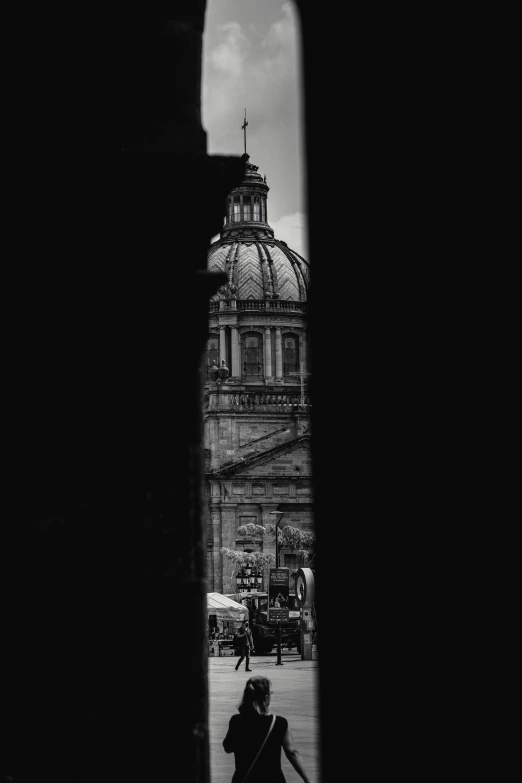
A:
256, 404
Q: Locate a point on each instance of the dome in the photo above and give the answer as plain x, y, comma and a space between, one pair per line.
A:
258, 265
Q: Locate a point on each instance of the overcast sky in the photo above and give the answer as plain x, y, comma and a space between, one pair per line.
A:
251, 59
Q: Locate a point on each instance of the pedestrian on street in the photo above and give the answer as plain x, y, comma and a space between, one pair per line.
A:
256, 737
245, 644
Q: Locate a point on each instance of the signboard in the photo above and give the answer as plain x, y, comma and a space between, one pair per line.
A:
278, 590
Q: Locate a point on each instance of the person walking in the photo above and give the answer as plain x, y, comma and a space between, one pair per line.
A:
245, 644
256, 737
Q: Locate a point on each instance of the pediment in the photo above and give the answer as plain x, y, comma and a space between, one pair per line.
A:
278, 461
257, 435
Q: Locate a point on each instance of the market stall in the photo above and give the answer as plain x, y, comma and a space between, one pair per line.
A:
224, 618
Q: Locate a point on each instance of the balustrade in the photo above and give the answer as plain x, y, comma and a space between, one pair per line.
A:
259, 304
270, 304
259, 400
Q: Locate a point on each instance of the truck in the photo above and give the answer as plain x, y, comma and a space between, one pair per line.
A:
264, 631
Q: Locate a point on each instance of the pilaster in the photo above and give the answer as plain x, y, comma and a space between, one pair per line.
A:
228, 540
279, 355
303, 353
216, 578
234, 342
222, 345
268, 353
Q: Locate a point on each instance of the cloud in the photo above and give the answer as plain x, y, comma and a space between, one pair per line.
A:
227, 59
251, 59
256, 69
282, 33
292, 229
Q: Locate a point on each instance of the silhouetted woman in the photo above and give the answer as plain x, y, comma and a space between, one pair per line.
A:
247, 732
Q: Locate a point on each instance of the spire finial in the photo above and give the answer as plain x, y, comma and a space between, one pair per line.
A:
243, 128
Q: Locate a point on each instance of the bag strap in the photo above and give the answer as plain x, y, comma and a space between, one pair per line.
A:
260, 749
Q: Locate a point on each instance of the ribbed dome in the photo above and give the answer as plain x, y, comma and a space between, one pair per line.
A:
260, 269
257, 265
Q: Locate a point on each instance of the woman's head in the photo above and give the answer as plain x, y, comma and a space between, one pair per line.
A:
256, 696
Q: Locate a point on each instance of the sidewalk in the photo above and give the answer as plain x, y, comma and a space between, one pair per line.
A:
295, 697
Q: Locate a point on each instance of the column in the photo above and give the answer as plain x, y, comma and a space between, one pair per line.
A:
234, 343
222, 346
279, 354
268, 353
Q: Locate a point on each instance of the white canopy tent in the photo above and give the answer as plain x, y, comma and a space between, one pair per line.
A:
225, 608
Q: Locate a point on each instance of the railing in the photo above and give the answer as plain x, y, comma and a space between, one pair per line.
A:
258, 304
263, 400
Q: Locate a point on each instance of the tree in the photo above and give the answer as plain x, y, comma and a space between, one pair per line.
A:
240, 559
302, 542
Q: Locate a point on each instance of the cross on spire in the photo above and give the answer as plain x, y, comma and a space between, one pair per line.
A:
243, 128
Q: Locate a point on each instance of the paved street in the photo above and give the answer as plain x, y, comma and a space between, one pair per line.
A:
295, 697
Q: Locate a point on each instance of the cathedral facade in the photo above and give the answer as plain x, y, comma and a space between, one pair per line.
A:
256, 404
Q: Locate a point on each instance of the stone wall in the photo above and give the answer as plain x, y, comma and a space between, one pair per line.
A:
103, 515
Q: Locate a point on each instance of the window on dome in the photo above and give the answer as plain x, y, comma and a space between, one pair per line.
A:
229, 210
252, 355
263, 210
237, 210
247, 208
256, 208
212, 352
290, 354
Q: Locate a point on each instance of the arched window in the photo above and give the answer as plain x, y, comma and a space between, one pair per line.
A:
237, 209
252, 355
212, 351
256, 208
229, 210
247, 208
290, 354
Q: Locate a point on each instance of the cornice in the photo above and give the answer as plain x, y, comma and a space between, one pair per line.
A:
273, 323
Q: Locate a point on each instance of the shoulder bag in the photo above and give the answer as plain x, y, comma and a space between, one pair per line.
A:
260, 749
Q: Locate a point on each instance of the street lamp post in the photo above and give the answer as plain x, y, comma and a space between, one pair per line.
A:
279, 661
276, 536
